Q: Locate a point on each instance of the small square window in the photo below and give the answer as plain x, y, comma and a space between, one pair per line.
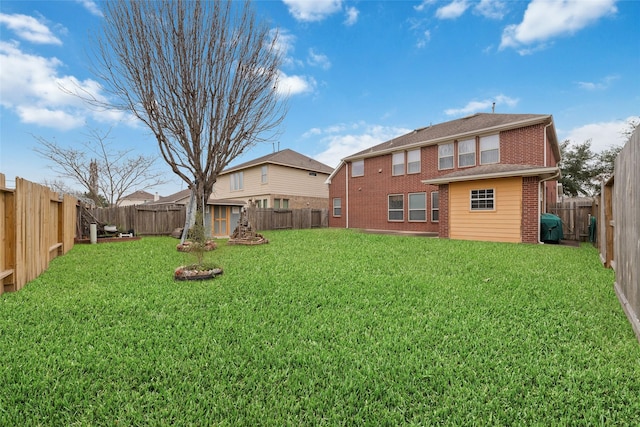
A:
482, 200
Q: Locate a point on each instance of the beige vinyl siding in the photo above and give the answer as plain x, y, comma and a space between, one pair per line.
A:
502, 224
280, 180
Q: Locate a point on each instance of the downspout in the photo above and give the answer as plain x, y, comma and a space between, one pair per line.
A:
544, 193
541, 189
346, 202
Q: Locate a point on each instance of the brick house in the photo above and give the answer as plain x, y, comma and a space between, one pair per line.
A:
483, 177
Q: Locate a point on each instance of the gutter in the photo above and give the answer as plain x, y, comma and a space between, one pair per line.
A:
346, 201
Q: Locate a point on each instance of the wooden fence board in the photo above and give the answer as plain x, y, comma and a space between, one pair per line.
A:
36, 227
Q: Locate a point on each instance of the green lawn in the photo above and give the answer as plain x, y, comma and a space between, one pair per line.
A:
321, 327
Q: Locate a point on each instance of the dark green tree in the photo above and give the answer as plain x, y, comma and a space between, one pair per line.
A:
578, 168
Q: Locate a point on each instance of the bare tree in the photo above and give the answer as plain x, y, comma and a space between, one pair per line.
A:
99, 170
201, 75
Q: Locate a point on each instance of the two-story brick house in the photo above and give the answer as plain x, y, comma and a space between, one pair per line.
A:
482, 177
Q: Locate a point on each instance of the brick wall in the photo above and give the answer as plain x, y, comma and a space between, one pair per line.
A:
337, 189
530, 219
523, 146
443, 230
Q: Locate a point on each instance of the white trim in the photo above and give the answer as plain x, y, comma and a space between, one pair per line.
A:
506, 174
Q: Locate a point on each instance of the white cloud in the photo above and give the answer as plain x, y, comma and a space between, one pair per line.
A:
545, 19
29, 28
492, 9
316, 10
91, 6
483, 105
422, 6
424, 39
603, 135
343, 140
33, 90
453, 10
601, 85
295, 85
352, 16
318, 60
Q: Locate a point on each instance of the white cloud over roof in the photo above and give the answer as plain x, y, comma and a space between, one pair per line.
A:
545, 19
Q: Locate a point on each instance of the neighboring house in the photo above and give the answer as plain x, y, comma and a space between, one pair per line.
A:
138, 198
281, 180
482, 177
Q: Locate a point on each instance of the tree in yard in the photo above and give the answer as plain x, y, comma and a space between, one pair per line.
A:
104, 174
202, 76
583, 170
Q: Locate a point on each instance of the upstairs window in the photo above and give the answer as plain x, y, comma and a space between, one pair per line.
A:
237, 181
445, 156
467, 153
413, 161
397, 164
482, 200
263, 173
489, 149
357, 168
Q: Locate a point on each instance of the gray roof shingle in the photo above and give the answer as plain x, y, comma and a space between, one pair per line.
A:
471, 125
286, 157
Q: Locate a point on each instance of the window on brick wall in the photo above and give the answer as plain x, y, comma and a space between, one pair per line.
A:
467, 153
337, 206
413, 161
489, 149
417, 206
397, 163
445, 156
435, 207
483, 200
396, 207
357, 168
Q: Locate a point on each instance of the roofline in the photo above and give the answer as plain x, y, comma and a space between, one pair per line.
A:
458, 136
240, 167
543, 172
335, 171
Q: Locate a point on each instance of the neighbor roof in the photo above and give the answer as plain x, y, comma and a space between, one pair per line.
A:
287, 158
468, 126
139, 195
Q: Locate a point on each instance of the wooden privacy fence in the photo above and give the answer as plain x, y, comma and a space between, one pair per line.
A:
278, 219
36, 227
144, 220
619, 228
576, 217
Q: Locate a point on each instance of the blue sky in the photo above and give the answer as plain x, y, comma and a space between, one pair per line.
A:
358, 73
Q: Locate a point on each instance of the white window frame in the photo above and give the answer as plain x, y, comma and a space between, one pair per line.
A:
236, 181
442, 157
337, 207
357, 168
463, 153
414, 210
494, 146
397, 163
276, 203
413, 161
435, 206
389, 210
264, 177
482, 200
285, 203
